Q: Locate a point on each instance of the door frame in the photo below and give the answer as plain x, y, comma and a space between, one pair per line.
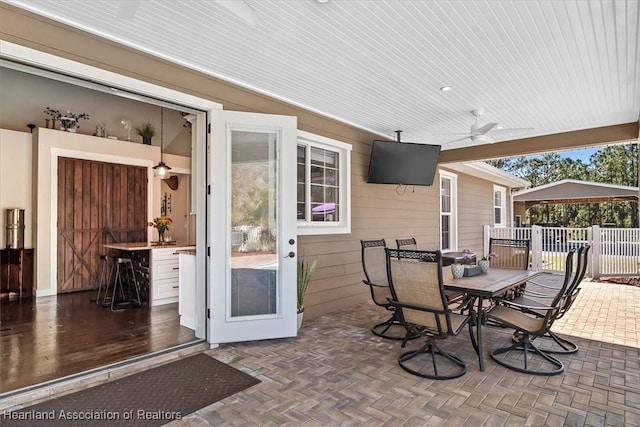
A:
283, 322
148, 92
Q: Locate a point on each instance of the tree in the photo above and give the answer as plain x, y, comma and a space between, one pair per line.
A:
615, 164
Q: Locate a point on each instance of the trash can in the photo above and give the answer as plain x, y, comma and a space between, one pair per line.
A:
14, 228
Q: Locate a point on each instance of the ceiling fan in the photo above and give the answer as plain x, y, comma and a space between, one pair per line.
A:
481, 133
127, 10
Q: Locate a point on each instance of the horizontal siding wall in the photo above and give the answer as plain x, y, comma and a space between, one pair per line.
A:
475, 208
378, 210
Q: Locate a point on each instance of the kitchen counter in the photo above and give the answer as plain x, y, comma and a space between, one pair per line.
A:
187, 251
141, 246
157, 266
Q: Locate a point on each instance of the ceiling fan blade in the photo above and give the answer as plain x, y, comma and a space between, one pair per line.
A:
242, 10
127, 9
456, 140
482, 130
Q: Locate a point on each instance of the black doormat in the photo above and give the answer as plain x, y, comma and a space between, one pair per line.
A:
151, 398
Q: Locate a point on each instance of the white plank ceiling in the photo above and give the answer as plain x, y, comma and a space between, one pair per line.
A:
552, 65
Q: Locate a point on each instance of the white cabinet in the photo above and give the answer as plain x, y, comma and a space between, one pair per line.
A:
165, 274
187, 301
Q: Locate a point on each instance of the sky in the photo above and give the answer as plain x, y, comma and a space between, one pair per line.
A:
583, 154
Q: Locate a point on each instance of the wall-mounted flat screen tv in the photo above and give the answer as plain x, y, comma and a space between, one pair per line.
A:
407, 163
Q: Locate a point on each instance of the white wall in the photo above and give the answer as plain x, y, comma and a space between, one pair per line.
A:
24, 97
16, 179
179, 213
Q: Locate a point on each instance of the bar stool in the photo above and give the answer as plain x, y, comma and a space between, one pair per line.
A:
125, 276
104, 278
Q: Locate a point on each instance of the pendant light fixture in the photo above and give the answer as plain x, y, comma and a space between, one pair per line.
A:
161, 170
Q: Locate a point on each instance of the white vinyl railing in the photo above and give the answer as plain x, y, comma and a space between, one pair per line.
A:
619, 251
614, 251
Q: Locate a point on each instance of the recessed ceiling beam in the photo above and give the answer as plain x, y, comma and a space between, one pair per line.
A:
616, 134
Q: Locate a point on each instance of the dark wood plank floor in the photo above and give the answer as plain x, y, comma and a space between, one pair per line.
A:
50, 338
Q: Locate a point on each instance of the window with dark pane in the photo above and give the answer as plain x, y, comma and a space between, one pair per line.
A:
301, 182
446, 233
324, 185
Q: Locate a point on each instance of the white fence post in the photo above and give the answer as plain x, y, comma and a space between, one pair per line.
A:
487, 235
596, 251
536, 247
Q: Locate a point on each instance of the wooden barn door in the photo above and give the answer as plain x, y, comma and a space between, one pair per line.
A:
98, 203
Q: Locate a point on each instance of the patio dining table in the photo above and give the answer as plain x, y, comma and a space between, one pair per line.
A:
486, 285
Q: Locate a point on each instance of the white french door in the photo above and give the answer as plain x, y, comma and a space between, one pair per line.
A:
252, 220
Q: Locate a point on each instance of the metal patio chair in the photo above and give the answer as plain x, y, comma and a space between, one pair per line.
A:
418, 295
409, 243
510, 253
374, 265
533, 297
530, 325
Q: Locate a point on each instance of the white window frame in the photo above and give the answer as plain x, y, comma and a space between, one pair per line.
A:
453, 223
503, 206
343, 225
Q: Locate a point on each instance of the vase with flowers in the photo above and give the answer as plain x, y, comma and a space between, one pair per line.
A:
161, 224
485, 262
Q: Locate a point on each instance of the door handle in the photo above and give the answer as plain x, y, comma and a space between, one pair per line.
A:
290, 255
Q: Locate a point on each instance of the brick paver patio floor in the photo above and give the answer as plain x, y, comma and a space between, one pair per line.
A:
337, 373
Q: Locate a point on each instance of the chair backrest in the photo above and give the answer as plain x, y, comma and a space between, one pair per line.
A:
581, 269
510, 253
374, 262
559, 302
409, 244
415, 278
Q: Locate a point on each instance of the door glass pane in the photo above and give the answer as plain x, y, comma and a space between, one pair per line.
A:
254, 222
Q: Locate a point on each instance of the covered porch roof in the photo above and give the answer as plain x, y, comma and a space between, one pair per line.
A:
490, 173
574, 191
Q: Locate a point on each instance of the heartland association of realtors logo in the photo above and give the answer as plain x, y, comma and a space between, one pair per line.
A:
104, 415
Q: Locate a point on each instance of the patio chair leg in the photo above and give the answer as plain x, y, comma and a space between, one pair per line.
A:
529, 349
431, 348
567, 347
394, 321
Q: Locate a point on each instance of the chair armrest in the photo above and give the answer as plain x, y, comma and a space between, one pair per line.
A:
538, 294
529, 307
366, 282
543, 285
546, 285
466, 303
417, 307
